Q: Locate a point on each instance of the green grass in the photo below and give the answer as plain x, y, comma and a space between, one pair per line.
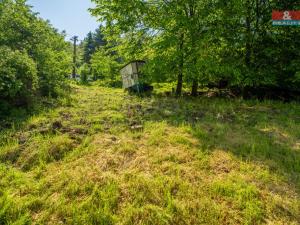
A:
191, 161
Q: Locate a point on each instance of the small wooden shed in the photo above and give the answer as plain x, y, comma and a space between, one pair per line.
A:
131, 73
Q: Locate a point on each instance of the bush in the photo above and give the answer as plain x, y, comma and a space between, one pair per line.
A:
18, 76
35, 58
54, 66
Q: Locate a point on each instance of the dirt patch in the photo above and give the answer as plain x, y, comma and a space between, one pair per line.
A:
57, 125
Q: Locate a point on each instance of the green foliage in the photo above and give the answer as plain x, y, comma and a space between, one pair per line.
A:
89, 48
36, 58
91, 43
18, 75
265, 55
53, 71
105, 67
85, 73
206, 41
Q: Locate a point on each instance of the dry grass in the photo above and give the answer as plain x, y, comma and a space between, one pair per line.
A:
205, 161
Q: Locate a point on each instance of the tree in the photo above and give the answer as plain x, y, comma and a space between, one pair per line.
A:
99, 38
91, 43
263, 54
173, 27
36, 59
88, 48
74, 39
105, 66
205, 41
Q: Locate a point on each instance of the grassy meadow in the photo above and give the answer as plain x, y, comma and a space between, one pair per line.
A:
105, 157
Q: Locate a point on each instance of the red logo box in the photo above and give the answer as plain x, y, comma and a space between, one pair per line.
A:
286, 15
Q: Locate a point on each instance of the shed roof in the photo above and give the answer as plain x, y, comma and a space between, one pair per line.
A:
134, 61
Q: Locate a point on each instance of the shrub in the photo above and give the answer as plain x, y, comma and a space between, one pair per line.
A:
18, 76
54, 66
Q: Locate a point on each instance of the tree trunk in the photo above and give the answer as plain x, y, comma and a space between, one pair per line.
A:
179, 84
248, 35
75, 39
195, 88
180, 69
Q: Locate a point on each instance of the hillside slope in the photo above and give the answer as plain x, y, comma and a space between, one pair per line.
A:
109, 158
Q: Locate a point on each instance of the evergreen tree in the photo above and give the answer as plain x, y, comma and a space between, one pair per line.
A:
99, 39
91, 43
88, 48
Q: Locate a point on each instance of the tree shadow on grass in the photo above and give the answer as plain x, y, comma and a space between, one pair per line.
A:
13, 118
266, 133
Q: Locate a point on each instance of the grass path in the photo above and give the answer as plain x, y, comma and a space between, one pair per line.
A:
105, 157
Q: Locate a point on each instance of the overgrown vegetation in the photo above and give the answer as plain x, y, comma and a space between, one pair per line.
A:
106, 157
35, 58
94, 154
